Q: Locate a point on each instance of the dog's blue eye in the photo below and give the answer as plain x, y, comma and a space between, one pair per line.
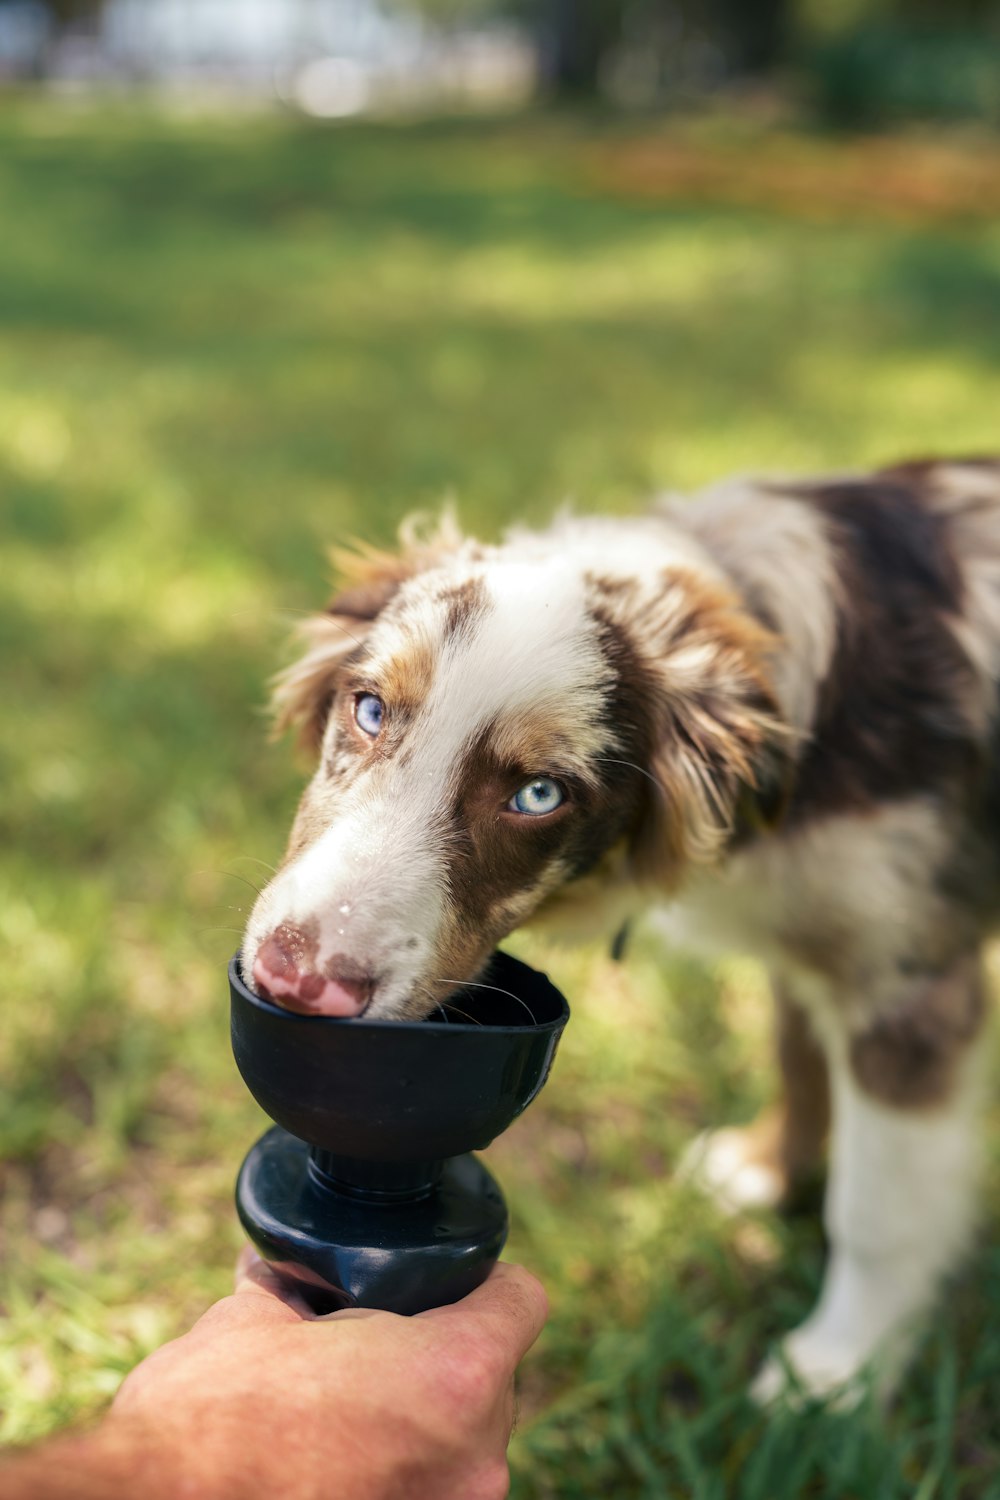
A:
368, 713
543, 795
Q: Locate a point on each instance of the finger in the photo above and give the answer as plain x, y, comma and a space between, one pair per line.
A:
255, 1278
508, 1311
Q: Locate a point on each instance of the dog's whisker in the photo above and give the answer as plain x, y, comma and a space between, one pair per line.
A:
271, 870
469, 984
346, 632
612, 760
309, 614
446, 1005
235, 875
458, 1012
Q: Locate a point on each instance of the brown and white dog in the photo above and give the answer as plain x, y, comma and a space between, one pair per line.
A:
771, 711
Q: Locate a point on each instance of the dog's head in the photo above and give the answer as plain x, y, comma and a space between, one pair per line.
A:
496, 727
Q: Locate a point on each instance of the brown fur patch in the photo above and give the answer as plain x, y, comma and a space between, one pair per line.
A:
821, 947
465, 602
316, 808
536, 743
498, 861
405, 678
364, 601
908, 1059
460, 957
805, 1111
894, 712
497, 855
372, 573
928, 472
696, 698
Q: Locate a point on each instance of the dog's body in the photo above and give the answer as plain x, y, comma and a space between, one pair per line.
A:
771, 710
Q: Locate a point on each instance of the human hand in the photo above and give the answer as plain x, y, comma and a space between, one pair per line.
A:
264, 1397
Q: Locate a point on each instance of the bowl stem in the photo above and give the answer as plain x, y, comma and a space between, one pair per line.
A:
376, 1181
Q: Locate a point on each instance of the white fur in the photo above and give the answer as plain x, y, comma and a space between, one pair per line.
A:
639, 548
902, 1183
717, 1161
859, 875
534, 641
899, 1214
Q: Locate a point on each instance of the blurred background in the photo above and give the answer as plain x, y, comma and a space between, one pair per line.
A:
274, 274
852, 62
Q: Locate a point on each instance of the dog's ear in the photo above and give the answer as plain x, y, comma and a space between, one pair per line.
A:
718, 753
302, 693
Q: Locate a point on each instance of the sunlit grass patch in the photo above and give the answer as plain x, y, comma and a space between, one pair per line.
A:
227, 345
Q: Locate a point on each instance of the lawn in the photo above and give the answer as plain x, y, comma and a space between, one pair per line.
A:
229, 342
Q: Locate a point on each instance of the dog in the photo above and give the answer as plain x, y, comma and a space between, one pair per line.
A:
769, 712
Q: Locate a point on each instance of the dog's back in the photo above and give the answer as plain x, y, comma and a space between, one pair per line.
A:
886, 592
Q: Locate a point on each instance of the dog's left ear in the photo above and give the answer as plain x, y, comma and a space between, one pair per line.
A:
302, 693
719, 755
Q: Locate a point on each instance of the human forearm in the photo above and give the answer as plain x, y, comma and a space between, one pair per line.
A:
116, 1459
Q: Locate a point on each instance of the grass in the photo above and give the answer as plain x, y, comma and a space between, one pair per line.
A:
230, 342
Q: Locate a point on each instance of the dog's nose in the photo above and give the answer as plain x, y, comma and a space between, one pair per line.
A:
281, 972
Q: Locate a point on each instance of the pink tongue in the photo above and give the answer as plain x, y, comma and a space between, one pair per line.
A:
312, 994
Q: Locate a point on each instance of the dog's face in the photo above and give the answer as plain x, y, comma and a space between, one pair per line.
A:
493, 726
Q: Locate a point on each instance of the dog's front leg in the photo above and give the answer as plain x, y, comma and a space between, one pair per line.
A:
767, 1163
900, 1200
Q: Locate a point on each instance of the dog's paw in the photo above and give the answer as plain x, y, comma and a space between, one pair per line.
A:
808, 1368
733, 1169
822, 1362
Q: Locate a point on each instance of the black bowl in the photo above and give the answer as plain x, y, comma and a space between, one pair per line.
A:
402, 1091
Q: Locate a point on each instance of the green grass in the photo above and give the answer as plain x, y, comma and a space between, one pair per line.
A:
227, 344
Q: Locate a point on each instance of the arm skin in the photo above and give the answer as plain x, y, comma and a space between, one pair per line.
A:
263, 1398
